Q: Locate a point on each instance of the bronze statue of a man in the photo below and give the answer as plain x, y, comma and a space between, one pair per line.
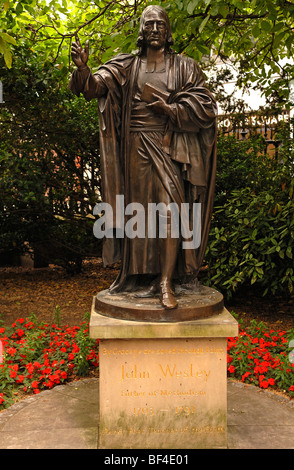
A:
158, 145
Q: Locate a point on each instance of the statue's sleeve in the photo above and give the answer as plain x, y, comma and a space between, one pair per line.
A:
90, 85
193, 130
193, 106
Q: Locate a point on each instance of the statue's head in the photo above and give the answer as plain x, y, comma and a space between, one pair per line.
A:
155, 30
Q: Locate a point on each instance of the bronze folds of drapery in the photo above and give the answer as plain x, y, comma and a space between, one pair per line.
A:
159, 159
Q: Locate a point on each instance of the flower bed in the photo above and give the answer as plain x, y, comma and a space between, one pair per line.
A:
261, 356
40, 356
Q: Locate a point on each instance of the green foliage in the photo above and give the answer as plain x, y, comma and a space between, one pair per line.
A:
252, 232
84, 343
257, 35
241, 163
49, 163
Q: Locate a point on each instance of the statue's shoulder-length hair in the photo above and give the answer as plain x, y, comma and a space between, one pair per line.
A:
169, 40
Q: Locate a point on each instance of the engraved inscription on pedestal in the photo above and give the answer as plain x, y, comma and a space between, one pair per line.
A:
165, 393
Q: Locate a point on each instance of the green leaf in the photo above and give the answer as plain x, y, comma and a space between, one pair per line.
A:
19, 8
6, 37
253, 279
2, 46
203, 24
278, 26
256, 31
190, 7
202, 48
266, 26
259, 270
224, 10
29, 8
8, 58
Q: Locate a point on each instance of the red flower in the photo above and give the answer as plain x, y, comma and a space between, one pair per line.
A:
30, 368
231, 369
245, 375
35, 384
263, 384
11, 351
54, 378
49, 384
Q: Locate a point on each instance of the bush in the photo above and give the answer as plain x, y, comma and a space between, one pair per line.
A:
241, 164
250, 242
252, 230
49, 163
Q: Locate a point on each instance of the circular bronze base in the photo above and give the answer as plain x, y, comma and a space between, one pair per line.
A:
200, 302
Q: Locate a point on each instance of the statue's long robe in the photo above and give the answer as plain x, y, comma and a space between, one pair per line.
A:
189, 140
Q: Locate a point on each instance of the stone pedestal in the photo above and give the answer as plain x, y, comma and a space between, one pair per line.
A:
163, 385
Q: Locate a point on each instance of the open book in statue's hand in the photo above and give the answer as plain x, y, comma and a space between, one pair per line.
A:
149, 91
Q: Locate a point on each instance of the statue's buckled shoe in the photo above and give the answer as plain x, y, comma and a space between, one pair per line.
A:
167, 296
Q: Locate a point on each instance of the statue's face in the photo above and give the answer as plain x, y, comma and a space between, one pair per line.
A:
155, 30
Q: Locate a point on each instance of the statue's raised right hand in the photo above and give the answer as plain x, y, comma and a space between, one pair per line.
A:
79, 55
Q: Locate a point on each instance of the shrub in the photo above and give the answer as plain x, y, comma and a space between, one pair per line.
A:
241, 164
250, 242
49, 163
252, 230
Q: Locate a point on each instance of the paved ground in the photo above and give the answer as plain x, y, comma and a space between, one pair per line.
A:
66, 418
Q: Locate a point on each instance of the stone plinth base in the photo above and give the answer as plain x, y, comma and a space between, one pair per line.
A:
163, 385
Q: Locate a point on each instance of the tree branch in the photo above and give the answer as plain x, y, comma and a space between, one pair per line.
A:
92, 19
230, 16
